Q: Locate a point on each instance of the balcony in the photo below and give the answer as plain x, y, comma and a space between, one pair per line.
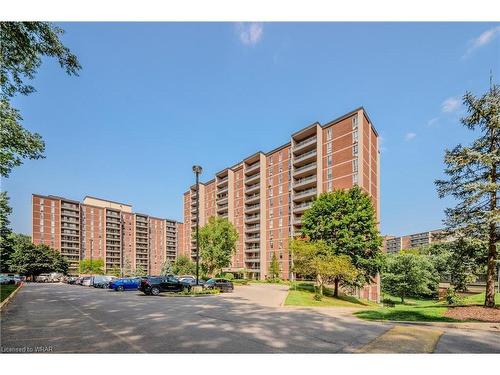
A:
252, 198
305, 182
253, 208
252, 228
222, 207
222, 181
222, 200
252, 168
302, 207
252, 188
297, 221
252, 239
305, 158
249, 219
305, 170
252, 249
304, 145
253, 179
304, 194
222, 190
70, 213
253, 259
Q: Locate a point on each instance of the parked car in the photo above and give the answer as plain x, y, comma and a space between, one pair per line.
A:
6, 279
78, 281
87, 281
125, 283
154, 285
71, 280
102, 281
191, 280
222, 284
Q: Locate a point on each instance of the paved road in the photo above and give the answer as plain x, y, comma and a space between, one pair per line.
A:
67, 318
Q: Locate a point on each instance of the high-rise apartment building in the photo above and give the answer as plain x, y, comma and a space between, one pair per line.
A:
103, 229
266, 194
393, 244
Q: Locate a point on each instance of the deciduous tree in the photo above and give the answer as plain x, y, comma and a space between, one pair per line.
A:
274, 269
473, 181
217, 244
345, 220
183, 265
315, 259
409, 275
96, 266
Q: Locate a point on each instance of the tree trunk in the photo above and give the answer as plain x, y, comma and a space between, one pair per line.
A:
320, 284
336, 289
489, 300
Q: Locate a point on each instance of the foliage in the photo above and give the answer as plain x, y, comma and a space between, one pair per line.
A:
409, 275
315, 259
274, 269
6, 243
114, 271
228, 276
23, 46
96, 266
452, 297
166, 268
183, 265
304, 294
217, 244
473, 181
140, 271
345, 220
30, 259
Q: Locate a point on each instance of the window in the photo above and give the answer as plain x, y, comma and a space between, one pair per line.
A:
355, 136
330, 186
329, 134
329, 148
329, 174
355, 179
355, 165
280, 189
355, 122
280, 222
270, 224
280, 156
329, 160
355, 150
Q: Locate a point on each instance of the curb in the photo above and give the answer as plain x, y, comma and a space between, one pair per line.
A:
479, 326
6, 301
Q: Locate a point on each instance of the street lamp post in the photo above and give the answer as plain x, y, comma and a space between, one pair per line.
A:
197, 171
91, 251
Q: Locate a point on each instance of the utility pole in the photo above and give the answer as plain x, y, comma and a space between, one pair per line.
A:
91, 251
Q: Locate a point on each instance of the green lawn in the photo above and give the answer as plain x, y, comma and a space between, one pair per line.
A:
302, 294
418, 310
6, 290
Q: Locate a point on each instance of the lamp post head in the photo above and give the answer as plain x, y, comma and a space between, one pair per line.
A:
197, 169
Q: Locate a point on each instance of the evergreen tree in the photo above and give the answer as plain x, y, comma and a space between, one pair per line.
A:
473, 181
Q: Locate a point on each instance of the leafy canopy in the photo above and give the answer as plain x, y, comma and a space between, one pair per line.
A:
217, 244
30, 259
409, 274
96, 266
345, 220
183, 265
315, 259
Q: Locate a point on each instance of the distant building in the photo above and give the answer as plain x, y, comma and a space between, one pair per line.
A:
110, 230
393, 244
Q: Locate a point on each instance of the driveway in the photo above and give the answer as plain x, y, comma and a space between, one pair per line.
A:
66, 318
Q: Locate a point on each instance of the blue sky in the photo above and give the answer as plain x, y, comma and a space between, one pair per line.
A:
154, 99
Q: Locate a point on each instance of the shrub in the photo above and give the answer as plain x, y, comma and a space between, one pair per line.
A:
240, 282
318, 297
452, 297
228, 276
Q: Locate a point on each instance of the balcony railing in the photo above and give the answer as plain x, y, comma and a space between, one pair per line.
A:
251, 198
305, 167
305, 142
303, 181
304, 193
252, 167
305, 156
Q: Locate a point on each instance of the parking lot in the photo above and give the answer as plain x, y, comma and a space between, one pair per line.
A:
66, 318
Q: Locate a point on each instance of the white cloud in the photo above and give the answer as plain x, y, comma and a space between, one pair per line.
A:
250, 33
410, 136
482, 40
433, 121
450, 105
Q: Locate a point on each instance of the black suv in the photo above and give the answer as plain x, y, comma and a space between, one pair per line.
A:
222, 284
154, 285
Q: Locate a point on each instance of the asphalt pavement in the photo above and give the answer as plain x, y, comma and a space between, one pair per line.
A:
73, 319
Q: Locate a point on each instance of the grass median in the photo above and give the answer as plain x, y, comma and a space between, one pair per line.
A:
302, 294
419, 310
6, 290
